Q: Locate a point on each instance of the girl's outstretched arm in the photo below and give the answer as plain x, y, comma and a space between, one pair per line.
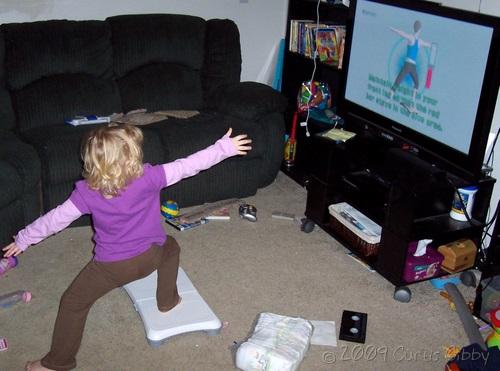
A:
12, 250
224, 148
54, 221
241, 142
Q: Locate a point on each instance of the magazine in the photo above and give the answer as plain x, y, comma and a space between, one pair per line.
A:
182, 225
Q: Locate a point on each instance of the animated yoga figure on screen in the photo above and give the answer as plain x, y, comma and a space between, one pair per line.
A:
414, 42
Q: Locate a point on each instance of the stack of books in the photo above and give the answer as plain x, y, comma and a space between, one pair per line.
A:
324, 41
208, 212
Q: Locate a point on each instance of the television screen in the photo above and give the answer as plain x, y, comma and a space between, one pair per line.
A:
423, 70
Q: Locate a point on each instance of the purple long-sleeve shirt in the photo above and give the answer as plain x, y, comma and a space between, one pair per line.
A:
128, 224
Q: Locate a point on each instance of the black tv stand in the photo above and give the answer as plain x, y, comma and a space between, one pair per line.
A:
407, 196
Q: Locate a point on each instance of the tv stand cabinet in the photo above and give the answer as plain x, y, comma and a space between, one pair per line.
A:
408, 197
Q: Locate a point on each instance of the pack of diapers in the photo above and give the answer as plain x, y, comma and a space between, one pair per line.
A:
278, 343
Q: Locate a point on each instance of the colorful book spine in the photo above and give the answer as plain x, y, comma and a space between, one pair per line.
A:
318, 40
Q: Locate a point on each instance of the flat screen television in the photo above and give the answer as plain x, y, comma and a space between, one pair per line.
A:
425, 77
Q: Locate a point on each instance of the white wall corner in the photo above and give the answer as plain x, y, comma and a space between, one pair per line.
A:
266, 74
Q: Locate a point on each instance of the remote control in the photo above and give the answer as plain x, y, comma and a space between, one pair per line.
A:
87, 120
281, 215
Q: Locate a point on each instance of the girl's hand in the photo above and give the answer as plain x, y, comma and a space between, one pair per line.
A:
12, 250
241, 142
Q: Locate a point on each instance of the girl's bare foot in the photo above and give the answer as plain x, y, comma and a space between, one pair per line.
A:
35, 366
178, 302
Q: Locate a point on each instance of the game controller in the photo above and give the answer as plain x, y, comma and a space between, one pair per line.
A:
86, 120
248, 212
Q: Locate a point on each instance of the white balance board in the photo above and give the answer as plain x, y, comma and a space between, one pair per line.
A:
192, 314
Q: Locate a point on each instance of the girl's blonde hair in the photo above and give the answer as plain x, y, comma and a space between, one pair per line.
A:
112, 157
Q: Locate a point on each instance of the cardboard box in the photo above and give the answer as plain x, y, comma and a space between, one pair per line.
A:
458, 255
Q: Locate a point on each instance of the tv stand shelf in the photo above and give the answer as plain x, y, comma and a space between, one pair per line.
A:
409, 205
435, 225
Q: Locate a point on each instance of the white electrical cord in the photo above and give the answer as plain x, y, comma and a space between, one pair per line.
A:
491, 156
305, 123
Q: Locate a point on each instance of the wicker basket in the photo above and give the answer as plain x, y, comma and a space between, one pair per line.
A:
364, 244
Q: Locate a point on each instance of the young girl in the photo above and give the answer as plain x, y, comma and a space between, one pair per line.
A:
122, 195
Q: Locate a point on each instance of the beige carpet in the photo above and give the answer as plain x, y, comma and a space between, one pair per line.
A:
241, 269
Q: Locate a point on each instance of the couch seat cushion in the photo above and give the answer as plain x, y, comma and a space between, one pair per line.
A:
22, 158
59, 150
182, 137
58, 69
11, 183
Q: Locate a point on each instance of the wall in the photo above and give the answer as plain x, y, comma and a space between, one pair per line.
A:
482, 6
261, 22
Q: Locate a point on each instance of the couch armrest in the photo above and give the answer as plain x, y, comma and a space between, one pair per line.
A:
248, 100
22, 157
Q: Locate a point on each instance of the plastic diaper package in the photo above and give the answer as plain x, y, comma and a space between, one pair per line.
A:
278, 343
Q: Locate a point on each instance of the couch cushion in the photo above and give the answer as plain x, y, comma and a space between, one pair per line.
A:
58, 69
12, 219
182, 137
222, 64
232, 178
156, 57
59, 150
142, 39
7, 118
248, 100
38, 49
238, 176
161, 86
49, 101
22, 158
11, 183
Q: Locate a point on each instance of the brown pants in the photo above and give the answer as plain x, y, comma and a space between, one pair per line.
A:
97, 279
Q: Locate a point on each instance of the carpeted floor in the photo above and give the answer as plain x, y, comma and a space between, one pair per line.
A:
241, 269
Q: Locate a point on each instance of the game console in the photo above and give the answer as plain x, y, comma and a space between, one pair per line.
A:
190, 315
